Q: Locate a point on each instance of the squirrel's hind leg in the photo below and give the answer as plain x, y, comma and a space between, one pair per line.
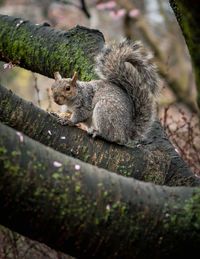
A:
106, 124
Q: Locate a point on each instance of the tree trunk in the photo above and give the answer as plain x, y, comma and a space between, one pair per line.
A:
85, 211
160, 163
187, 15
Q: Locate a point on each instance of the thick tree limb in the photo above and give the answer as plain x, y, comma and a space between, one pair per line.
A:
45, 50
85, 211
160, 163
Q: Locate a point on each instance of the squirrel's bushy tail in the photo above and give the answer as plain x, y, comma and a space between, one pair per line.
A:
129, 66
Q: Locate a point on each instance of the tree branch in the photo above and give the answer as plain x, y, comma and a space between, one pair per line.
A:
160, 162
45, 50
85, 211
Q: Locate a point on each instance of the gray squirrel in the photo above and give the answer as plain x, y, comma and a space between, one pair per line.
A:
118, 107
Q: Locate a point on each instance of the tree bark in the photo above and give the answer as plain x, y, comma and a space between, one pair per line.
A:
45, 50
160, 163
85, 211
187, 15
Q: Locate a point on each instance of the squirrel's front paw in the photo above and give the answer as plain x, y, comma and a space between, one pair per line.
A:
54, 114
64, 121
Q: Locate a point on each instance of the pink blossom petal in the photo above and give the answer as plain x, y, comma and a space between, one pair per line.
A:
19, 23
134, 13
77, 167
101, 6
118, 14
5, 66
111, 4
62, 137
21, 137
49, 132
113, 14
108, 206
57, 164
10, 65
121, 12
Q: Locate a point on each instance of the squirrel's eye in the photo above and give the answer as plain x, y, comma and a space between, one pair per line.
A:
67, 88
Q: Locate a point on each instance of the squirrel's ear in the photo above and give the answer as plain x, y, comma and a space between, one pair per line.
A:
74, 78
57, 76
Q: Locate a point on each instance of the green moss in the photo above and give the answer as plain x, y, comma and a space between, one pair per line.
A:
7, 107
125, 170
105, 194
84, 149
77, 188
77, 173
192, 210
123, 210
55, 175
41, 176
29, 153
3, 151
79, 198
97, 221
38, 192
116, 205
16, 153
86, 157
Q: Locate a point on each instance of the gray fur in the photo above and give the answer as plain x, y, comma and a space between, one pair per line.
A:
120, 106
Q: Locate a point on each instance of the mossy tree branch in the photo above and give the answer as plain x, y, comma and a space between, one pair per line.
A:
45, 50
85, 211
160, 163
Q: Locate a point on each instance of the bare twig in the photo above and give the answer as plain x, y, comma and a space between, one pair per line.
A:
183, 137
